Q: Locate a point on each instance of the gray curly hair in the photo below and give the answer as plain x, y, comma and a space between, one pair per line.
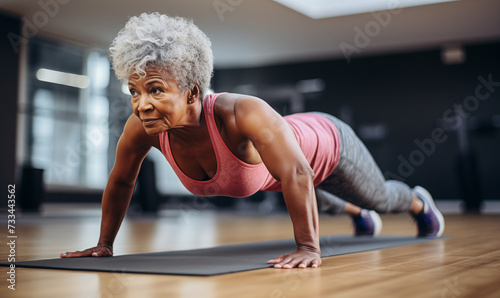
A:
173, 44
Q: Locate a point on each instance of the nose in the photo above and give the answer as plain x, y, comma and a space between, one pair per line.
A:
145, 104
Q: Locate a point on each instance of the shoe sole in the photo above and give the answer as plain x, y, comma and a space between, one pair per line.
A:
377, 222
424, 193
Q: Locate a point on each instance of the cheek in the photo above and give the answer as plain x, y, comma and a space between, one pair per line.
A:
169, 108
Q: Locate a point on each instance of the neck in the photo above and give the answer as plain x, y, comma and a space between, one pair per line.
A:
195, 127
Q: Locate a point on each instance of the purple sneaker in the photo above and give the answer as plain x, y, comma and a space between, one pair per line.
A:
430, 221
367, 223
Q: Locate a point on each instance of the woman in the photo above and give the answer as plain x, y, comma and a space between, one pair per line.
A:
234, 145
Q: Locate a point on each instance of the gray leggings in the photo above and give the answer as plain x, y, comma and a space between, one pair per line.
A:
357, 179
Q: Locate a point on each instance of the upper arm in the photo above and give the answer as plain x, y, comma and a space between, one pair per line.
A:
133, 146
272, 137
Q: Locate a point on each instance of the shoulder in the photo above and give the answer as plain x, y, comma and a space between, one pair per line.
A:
248, 114
239, 105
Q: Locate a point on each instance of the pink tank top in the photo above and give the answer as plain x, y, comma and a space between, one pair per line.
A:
317, 136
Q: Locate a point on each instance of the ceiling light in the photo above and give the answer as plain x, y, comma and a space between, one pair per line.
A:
319, 9
62, 78
453, 54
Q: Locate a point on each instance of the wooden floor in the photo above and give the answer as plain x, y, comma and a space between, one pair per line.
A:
465, 265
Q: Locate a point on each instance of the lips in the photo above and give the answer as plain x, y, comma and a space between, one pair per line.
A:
149, 122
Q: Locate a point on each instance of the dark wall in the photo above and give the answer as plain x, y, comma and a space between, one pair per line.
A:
409, 97
9, 82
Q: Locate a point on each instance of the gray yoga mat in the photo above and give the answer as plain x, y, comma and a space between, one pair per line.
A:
218, 260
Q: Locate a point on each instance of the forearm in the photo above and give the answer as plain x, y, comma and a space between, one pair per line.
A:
115, 201
300, 200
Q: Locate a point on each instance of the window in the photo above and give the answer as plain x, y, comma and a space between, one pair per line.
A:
74, 114
67, 113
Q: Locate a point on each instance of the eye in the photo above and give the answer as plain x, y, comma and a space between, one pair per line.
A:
133, 92
156, 90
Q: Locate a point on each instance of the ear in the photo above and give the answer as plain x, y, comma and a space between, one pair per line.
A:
194, 94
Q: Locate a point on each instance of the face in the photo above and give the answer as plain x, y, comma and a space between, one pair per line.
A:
158, 101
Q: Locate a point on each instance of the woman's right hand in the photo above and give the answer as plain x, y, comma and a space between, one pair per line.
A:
101, 250
133, 146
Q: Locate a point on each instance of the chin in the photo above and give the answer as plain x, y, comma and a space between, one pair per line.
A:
153, 132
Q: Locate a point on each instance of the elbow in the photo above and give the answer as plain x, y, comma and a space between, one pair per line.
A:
123, 184
118, 181
305, 171
304, 176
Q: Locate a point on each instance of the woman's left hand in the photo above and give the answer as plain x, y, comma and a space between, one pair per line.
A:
302, 258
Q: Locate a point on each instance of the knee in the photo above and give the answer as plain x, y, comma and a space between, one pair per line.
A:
383, 200
394, 198
382, 208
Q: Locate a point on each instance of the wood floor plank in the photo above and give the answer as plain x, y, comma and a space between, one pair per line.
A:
467, 264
